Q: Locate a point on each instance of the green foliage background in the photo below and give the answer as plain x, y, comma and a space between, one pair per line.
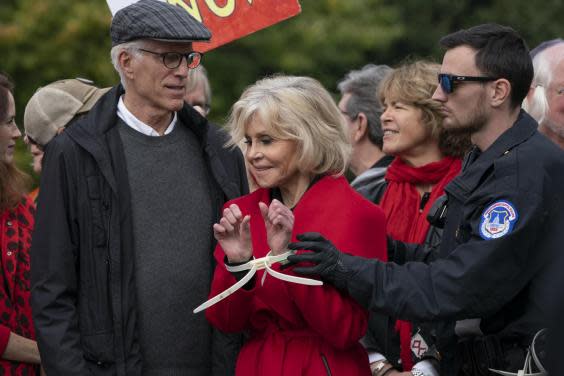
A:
45, 40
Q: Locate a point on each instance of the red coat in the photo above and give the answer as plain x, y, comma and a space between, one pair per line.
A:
15, 310
297, 329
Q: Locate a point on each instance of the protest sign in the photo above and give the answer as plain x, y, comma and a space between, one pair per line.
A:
229, 20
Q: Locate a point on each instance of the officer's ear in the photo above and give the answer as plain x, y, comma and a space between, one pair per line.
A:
500, 92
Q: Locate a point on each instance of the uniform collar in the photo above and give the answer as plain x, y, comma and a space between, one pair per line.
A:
477, 163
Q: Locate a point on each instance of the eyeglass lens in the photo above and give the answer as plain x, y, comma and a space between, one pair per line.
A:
173, 59
446, 83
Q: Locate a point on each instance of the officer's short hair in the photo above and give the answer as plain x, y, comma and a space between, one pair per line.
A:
362, 85
501, 53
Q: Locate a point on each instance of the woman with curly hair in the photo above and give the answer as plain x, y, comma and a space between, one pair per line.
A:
427, 158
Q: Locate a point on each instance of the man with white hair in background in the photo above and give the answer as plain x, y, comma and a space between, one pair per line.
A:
198, 90
545, 101
122, 249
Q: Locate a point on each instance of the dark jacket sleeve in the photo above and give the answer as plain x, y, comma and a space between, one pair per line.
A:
467, 283
53, 270
227, 164
381, 336
226, 346
400, 252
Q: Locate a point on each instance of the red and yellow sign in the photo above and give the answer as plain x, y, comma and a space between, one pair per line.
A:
229, 20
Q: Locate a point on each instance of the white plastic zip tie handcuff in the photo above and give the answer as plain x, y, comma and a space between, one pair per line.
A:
530, 359
254, 265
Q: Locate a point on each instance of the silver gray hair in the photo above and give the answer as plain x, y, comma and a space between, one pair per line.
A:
543, 64
196, 77
132, 48
362, 85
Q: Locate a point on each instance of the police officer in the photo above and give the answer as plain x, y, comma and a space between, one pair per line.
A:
503, 216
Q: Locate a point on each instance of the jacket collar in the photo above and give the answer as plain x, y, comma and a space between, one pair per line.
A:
103, 117
477, 163
94, 131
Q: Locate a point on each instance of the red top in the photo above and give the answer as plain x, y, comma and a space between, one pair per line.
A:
15, 310
297, 329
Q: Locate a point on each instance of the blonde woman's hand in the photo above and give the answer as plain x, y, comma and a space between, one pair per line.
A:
279, 221
233, 233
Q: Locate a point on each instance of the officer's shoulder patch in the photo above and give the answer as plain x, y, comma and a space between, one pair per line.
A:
498, 220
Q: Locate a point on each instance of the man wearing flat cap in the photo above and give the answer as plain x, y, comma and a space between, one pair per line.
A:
122, 251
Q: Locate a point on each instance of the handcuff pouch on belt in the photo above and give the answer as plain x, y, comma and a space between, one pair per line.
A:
487, 355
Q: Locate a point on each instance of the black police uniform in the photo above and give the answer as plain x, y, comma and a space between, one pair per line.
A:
504, 221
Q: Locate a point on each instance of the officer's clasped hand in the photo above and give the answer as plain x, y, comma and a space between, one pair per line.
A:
328, 261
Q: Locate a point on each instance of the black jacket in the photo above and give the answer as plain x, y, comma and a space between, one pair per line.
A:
83, 292
372, 183
381, 335
502, 281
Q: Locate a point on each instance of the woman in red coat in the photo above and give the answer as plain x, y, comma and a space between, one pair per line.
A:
296, 148
18, 348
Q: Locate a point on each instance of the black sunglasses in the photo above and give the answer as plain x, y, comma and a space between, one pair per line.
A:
447, 81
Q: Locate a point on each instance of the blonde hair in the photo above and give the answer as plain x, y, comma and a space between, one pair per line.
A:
414, 83
299, 109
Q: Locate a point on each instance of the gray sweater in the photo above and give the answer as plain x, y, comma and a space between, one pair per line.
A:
172, 228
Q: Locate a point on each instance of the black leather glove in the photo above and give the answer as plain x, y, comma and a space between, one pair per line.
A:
330, 264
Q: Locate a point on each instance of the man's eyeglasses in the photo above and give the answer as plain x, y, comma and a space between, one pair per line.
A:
447, 81
172, 60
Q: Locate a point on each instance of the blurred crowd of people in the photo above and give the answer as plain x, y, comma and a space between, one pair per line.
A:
442, 256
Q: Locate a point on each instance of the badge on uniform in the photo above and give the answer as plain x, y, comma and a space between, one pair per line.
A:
498, 220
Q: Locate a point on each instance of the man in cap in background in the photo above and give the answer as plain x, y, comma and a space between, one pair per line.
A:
51, 109
545, 101
122, 250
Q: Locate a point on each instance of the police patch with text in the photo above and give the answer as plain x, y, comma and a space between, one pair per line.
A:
498, 220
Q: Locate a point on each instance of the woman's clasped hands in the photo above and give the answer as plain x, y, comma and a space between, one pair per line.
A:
233, 231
